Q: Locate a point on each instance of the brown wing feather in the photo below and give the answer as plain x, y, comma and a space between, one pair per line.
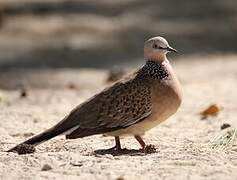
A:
122, 105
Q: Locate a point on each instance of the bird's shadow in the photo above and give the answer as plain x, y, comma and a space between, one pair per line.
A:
119, 153
132, 152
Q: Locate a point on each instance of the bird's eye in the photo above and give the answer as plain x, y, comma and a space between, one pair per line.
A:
155, 46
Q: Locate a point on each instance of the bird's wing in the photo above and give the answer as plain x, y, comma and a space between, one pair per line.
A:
120, 106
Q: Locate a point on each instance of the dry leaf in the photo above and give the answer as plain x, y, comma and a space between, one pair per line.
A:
212, 110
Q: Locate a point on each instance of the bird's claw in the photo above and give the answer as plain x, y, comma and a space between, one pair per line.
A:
149, 149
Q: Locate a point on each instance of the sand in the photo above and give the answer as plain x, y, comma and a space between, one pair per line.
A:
181, 142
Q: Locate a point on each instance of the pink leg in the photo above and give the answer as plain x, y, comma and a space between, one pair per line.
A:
141, 142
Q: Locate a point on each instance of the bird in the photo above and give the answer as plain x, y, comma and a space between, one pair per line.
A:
129, 107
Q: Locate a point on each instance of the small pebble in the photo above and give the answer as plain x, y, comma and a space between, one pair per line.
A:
79, 164
225, 125
109, 156
72, 86
23, 93
121, 178
46, 167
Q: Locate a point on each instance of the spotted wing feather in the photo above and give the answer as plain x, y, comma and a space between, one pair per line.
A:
120, 106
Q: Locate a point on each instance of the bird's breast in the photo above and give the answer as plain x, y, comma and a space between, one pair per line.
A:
166, 94
166, 99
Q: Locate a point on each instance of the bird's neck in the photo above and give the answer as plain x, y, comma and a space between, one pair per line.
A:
160, 57
155, 70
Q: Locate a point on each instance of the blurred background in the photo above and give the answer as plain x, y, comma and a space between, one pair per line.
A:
52, 34
91, 33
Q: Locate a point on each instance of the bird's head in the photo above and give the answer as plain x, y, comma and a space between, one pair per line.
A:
156, 49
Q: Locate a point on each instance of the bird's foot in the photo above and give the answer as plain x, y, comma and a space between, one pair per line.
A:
149, 149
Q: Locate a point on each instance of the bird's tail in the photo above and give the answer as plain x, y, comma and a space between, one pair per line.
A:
60, 128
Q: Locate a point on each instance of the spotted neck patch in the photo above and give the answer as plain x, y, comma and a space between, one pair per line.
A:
155, 70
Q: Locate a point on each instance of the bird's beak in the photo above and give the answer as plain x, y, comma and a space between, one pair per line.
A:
170, 49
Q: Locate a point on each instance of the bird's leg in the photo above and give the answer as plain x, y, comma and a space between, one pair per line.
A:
147, 149
141, 142
117, 146
117, 143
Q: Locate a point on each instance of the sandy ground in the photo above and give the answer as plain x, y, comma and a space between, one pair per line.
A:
181, 142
